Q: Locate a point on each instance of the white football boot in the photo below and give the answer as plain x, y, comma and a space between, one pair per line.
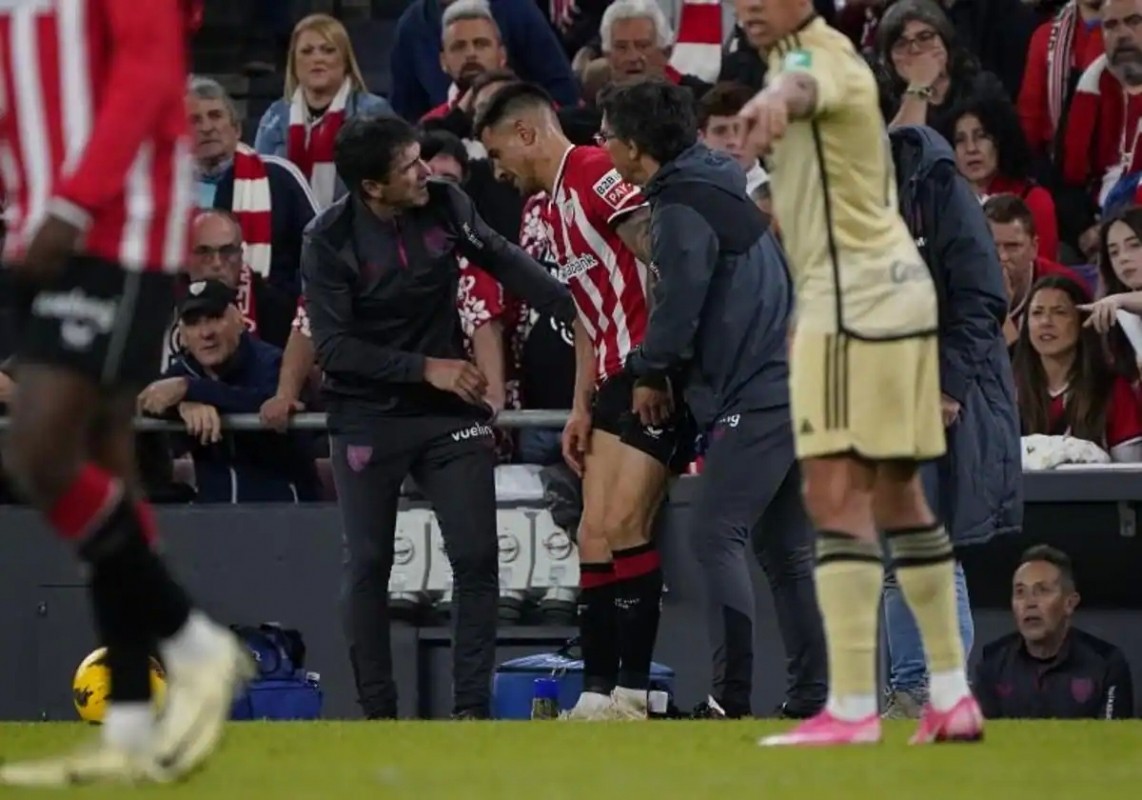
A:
200, 693
629, 704
590, 707
94, 763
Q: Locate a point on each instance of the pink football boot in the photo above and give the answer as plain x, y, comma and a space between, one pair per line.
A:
963, 722
825, 730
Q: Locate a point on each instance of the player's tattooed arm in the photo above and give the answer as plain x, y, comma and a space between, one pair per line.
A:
634, 230
800, 92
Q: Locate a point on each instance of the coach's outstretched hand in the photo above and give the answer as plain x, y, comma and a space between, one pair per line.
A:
53, 243
460, 377
576, 439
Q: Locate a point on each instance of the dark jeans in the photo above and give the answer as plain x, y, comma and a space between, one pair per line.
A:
750, 491
452, 462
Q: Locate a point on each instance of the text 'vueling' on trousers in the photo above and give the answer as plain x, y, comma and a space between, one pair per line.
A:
452, 461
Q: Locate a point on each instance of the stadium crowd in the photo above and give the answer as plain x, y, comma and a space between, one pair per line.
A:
1037, 99
1040, 102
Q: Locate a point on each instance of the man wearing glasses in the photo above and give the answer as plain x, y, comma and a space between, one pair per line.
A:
216, 253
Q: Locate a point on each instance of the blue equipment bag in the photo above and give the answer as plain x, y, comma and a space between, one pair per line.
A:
281, 689
514, 685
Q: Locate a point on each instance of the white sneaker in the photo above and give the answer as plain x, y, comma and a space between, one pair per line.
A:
628, 704
590, 707
98, 763
200, 694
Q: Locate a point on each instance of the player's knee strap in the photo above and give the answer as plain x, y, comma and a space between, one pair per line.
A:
835, 546
918, 547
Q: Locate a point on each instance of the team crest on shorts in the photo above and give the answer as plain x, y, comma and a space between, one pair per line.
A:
357, 456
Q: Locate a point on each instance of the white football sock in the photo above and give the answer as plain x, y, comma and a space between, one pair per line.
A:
945, 689
197, 640
852, 708
129, 726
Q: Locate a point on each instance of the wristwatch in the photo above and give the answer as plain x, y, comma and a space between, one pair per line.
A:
925, 93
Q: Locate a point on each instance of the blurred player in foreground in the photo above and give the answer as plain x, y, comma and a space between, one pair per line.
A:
98, 175
599, 228
864, 375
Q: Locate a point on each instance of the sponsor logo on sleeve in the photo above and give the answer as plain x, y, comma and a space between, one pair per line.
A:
613, 189
798, 60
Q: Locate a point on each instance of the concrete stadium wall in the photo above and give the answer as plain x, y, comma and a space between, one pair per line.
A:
253, 564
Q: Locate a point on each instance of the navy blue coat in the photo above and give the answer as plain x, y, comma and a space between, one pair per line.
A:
247, 466
977, 486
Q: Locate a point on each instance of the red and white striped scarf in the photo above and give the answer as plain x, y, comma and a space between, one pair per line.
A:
1060, 60
698, 41
310, 143
251, 207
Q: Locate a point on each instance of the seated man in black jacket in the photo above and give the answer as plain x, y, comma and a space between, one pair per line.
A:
222, 369
380, 274
1049, 669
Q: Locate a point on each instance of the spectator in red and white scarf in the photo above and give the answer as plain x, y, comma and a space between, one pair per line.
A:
266, 194
323, 88
1105, 122
993, 155
216, 254
1060, 51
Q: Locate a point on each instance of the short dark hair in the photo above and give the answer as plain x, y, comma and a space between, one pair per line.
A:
508, 100
657, 116
1056, 558
438, 142
366, 148
1004, 209
724, 99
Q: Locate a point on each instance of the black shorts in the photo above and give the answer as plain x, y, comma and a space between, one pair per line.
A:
102, 321
672, 445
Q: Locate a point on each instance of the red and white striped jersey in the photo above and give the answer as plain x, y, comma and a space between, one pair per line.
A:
607, 281
93, 126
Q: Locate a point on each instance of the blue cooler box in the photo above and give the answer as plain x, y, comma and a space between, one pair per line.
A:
514, 684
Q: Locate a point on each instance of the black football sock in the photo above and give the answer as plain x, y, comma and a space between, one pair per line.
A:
598, 627
638, 597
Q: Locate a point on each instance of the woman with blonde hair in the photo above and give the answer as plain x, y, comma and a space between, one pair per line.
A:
323, 88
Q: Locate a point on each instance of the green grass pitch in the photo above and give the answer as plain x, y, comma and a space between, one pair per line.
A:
658, 760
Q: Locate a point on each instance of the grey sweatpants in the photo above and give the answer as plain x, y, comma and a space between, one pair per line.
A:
750, 491
452, 461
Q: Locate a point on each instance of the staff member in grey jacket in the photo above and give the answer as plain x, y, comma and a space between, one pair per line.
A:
380, 274
722, 309
976, 487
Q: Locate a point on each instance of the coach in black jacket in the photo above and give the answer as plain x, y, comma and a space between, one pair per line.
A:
977, 486
380, 276
722, 307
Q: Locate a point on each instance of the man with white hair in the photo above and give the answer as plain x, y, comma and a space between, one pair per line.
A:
637, 40
268, 196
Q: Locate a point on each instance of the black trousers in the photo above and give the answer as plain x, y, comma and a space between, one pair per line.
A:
452, 461
750, 491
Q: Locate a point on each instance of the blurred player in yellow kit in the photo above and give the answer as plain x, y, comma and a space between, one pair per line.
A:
864, 379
